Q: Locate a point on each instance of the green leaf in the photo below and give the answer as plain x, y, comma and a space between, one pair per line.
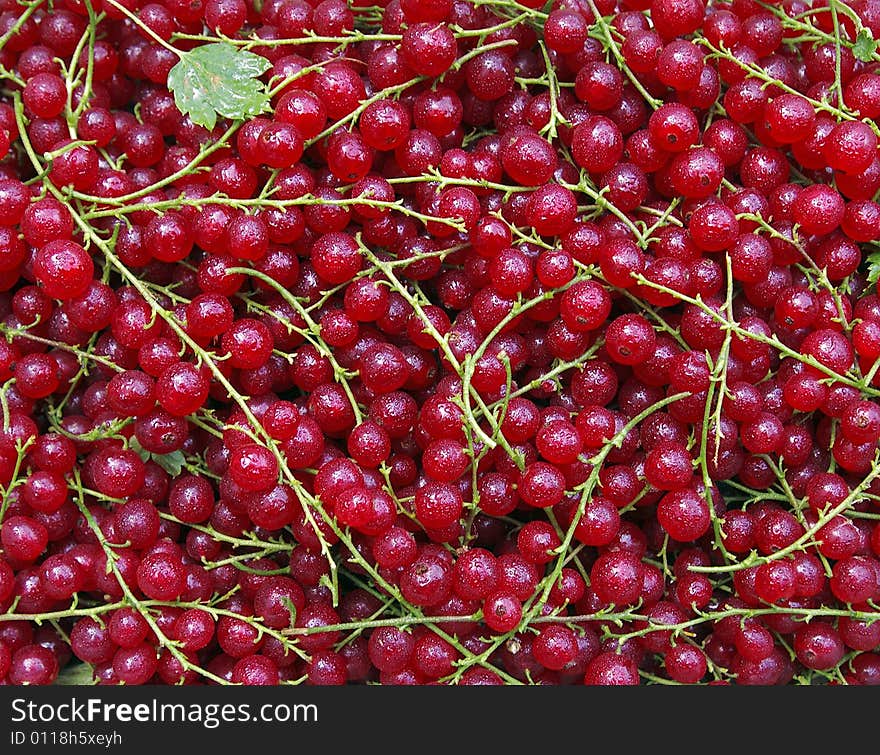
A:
874, 267
135, 446
172, 463
76, 675
865, 47
219, 79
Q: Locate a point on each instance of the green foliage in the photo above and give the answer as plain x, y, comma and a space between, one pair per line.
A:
172, 463
219, 79
873, 263
865, 47
76, 675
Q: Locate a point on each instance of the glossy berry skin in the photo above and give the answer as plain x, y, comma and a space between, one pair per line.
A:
611, 669
91, 642
127, 628
253, 467
502, 612
429, 49
685, 664
44, 94
33, 665
427, 580
336, 257
630, 339
249, 343
528, 159
597, 144
555, 647
819, 646
64, 269
438, 505
182, 389
673, 127
136, 665
255, 670
160, 577
850, 147
585, 306
390, 649
36, 375
818, 209
616, 578
684, 515
23, 538
852, 580
542, 485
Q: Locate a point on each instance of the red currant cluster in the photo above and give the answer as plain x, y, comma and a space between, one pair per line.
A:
471, 342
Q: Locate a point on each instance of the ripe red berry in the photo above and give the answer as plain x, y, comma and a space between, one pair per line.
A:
64, 269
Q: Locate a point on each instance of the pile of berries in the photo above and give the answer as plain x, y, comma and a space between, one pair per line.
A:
503, 343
